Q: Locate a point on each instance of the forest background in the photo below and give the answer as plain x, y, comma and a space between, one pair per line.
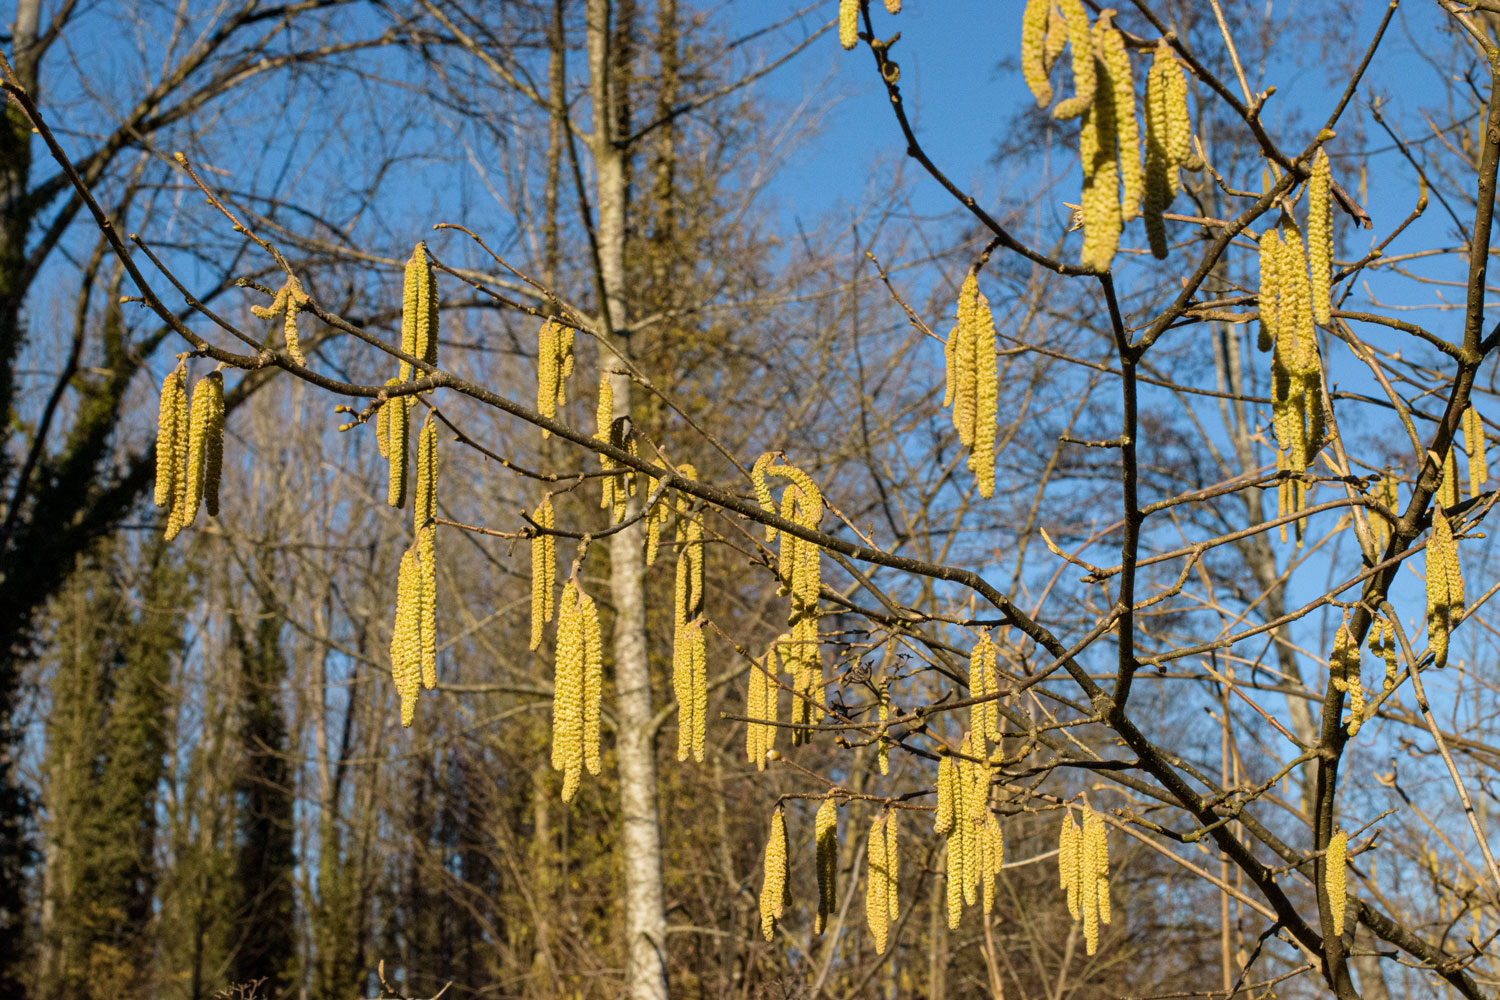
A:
207, 790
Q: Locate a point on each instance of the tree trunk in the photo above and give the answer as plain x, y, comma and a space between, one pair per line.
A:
645, 914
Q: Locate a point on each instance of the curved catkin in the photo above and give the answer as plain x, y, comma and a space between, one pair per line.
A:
395, 494
213, 447
1115, 61
763, 489
200, 414
1033, 38
946, 779
172, 386
1475, 446
1270, 287
1057, 37
877, 885
848, 23
406, 665
181, 431
773, 884
1320, 237
1334, 883
1085, 76
825, 838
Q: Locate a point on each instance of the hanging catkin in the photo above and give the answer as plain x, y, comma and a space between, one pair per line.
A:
1387, 496
883, 710
1033, 36
972, 387
421, 294
1334, 883
763, 490
994, 858
1270, 253
396, 424
406, 654
1068, 850
1383, 644
954, 878
201, 430
1445, 587
1115, 61
1093, 875
172, 387
1343, 669
689, 666
1447, 491
576, 690
213, 448
291, 299
424, 509
984, 682
1100, 199
1168, 140
1320, 236
877, 885
554, 358
181, 427
1475, 446
761, 704
1085, 78
773, 885
543, 570
946, 778
799, 564
825, 839
892, 864
848, 23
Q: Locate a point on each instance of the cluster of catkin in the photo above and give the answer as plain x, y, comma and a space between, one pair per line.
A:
577, 688
1292, 300
689, 657
189, 447
984, 682
1475, 447
1343, 673
1083, 871
554, 366
290, 300
1382, 640
1334, 879
419, 336
849, 20
414, 634
883, 865
773, 884
1445, 587
972, 387
976, 847
1386, 494
761, 699
621, 485
1109, 142
799, 563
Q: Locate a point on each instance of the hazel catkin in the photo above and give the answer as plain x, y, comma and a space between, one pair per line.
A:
877, 885
1334, 883
543, 570
167, 469
848, 23
825, 839
213, 436
1475, 446
773, 884
1320, 236
1033, 37
1085, 78
181, 428
1114, 59
406, 659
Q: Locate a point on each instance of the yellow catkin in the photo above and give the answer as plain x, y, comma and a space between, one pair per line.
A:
1166, 135
604, 420
1100, 199
1334, 879
763, 490
1320, 236
689, 682
1085, 78
1033, 37
570, 688
543, 570
986, 397
964, 383
547, 371
954, 876
825, 838
1386, 495
213, 438
964, 808
181, 431
773, 885
172, 386
1270, 287
395, 494
848, 23
1383, 644
877, 885
297, 300
1068, 850
883, 710
1447, 492
383, 429
406, 664
760, 704
421, 296
1088, 883
1057, 37
593, 681
946, 779
1343, 669
1100, 872
424, 509
984, 682
994, 858
893, 6
892, 864
200, 415
1475, 447
1115, 61
1445, 596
